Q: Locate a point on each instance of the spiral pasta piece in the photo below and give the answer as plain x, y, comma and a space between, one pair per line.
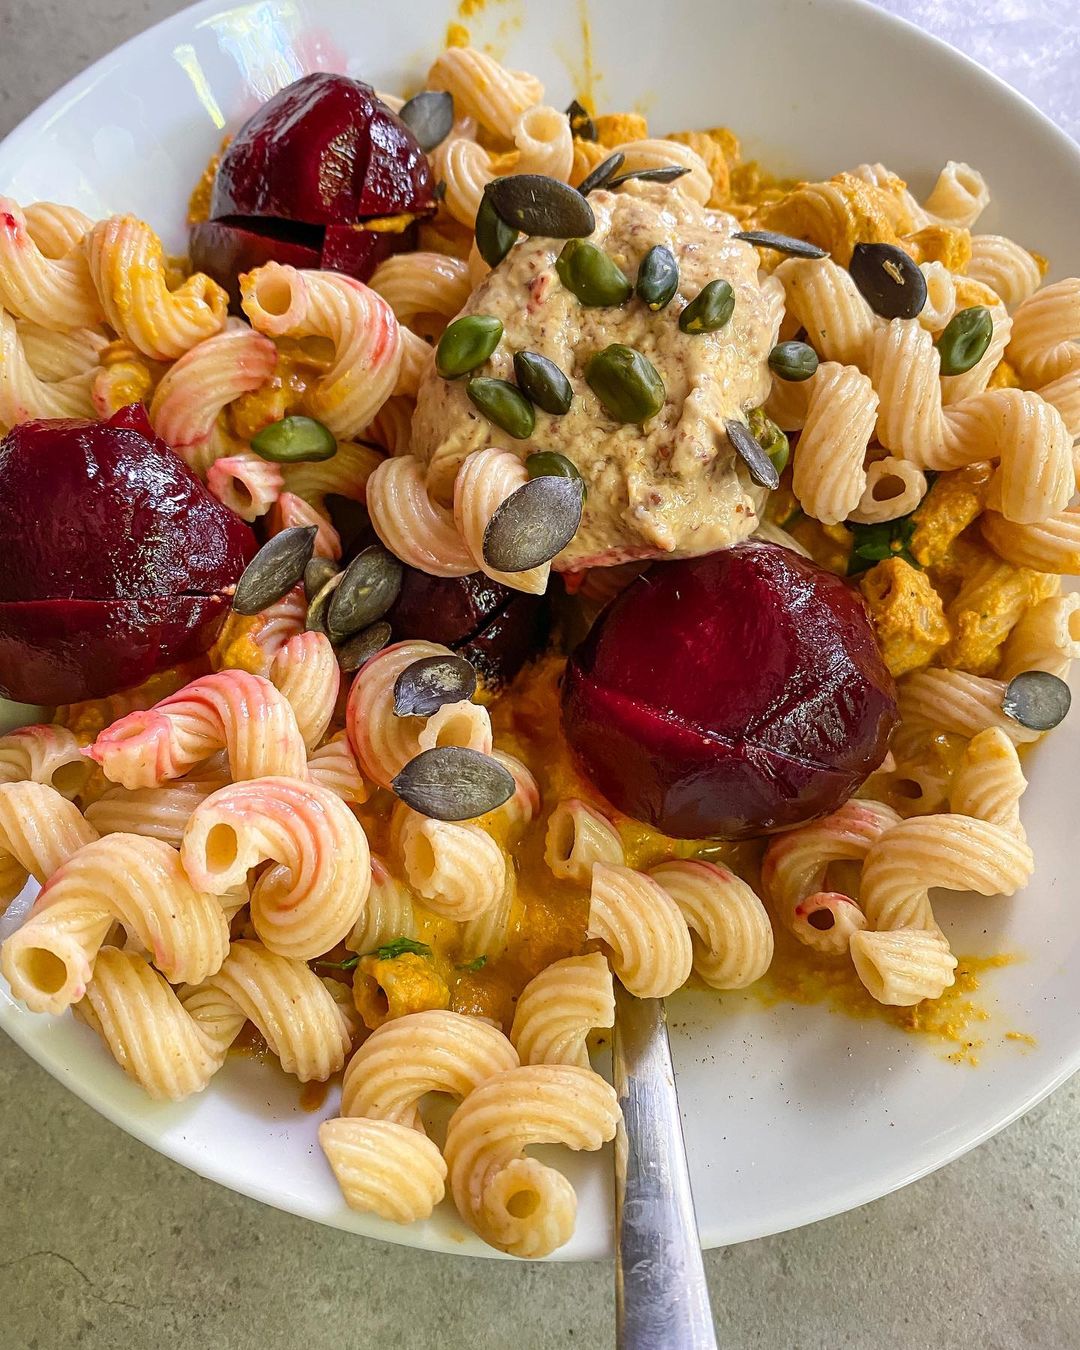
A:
1050, 545
306, 671
290, 510
413, 527
457, 868
559, 1007
959, 196
344, 474
513, 1202
287, 302
128, 268
422, 283
44, 753
1046, 638
894, 488
316, 893
579, 836
642, 927
48, 286
823, 299
484, 481
730, 929
60, 356
247, 484
656, 153
1046, 329
39, 831
483, 88
989, 781
828, 476
23, 396
384, 1168
955, 701
333, 765
126, 879
1005, 267
234, 710
156, 812
251, 643
388, 913
903, 966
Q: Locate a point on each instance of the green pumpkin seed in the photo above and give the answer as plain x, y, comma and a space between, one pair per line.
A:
657, 278
593, 277
276, 568
454, 783
581, 124
760, 467
782, 243
316, 574
494, 238
317, 610
439, 190
543, 383
422, 688
466, 344
964, 342
1036, 699
539, 205
429, 115
503, 404
534, 523
549, 464
602, 175
666, 174
710, 310
889, 280
368, 588
360, 649
626, 383
769, 436
794, 361
295, 440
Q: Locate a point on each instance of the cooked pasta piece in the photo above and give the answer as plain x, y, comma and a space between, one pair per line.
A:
1046, 329
23, 396
316, 894
579, 836
247, 484
1049, 545
127, 264
384, 1168
251, 642
544, 142
821, 297
54, 228
287, 302
466, 168
333, 765
903, 966
423, 283
49, 286
1046, 638
483, 88
956, 853
956, 388
388, 913
642, 928
655, 153
484, 481
392, 425
514, 1202
989, 781
489, 933
412, 526
828, 477
60, 356
730, 930
894, 488
959, 197
835, 215
955, 701
234, 710
39, 831
306, 671
1005, 267
940, 297
44, 753
463, 723
795, 868
457, 867
559, 1007
344, 474
123, 878
289, 510
156, 812
416, 356
522, 808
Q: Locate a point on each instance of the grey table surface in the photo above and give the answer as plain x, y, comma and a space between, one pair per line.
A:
107, 1246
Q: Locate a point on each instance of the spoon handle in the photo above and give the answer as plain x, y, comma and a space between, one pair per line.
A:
661, 1299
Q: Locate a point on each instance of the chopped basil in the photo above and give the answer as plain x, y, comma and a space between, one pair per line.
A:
875, 543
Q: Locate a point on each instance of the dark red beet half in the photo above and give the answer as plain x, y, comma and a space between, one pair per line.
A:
730, 695
494, 627
117, 558
223, 249
357, 251
323, 151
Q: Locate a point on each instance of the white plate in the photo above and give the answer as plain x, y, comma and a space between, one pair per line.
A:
792, 1113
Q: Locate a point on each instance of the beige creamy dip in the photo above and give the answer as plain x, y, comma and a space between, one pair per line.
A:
673, 487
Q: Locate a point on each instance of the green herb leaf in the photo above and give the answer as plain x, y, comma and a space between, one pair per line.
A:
398, 946
477, 963
874, 543
350, 963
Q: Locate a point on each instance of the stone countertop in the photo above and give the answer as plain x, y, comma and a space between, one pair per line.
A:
106, 1245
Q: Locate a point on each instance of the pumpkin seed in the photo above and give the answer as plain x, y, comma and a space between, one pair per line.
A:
539, 205
276, 568
429, 115
452, 782
422, 688
964, 341
550, 464
657, 278
466, 344
360, 649
581, 124
439, 190
783, 243
794, 361
316, 574
494, 238
316, 614
534, 523
1036, 699
503, 404
760, 467
665, 174
295, 440
602, 175
593, 277
543, 383
890, 282
710, 310
626, 383
769, 436
368, 587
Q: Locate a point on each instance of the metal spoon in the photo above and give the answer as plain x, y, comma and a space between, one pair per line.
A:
661, 1299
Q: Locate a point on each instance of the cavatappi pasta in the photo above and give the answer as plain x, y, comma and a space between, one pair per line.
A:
223, 845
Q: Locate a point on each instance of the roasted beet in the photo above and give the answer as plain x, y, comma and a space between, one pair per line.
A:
117, 558
495, 628
224, 249
357, 250
730, 695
